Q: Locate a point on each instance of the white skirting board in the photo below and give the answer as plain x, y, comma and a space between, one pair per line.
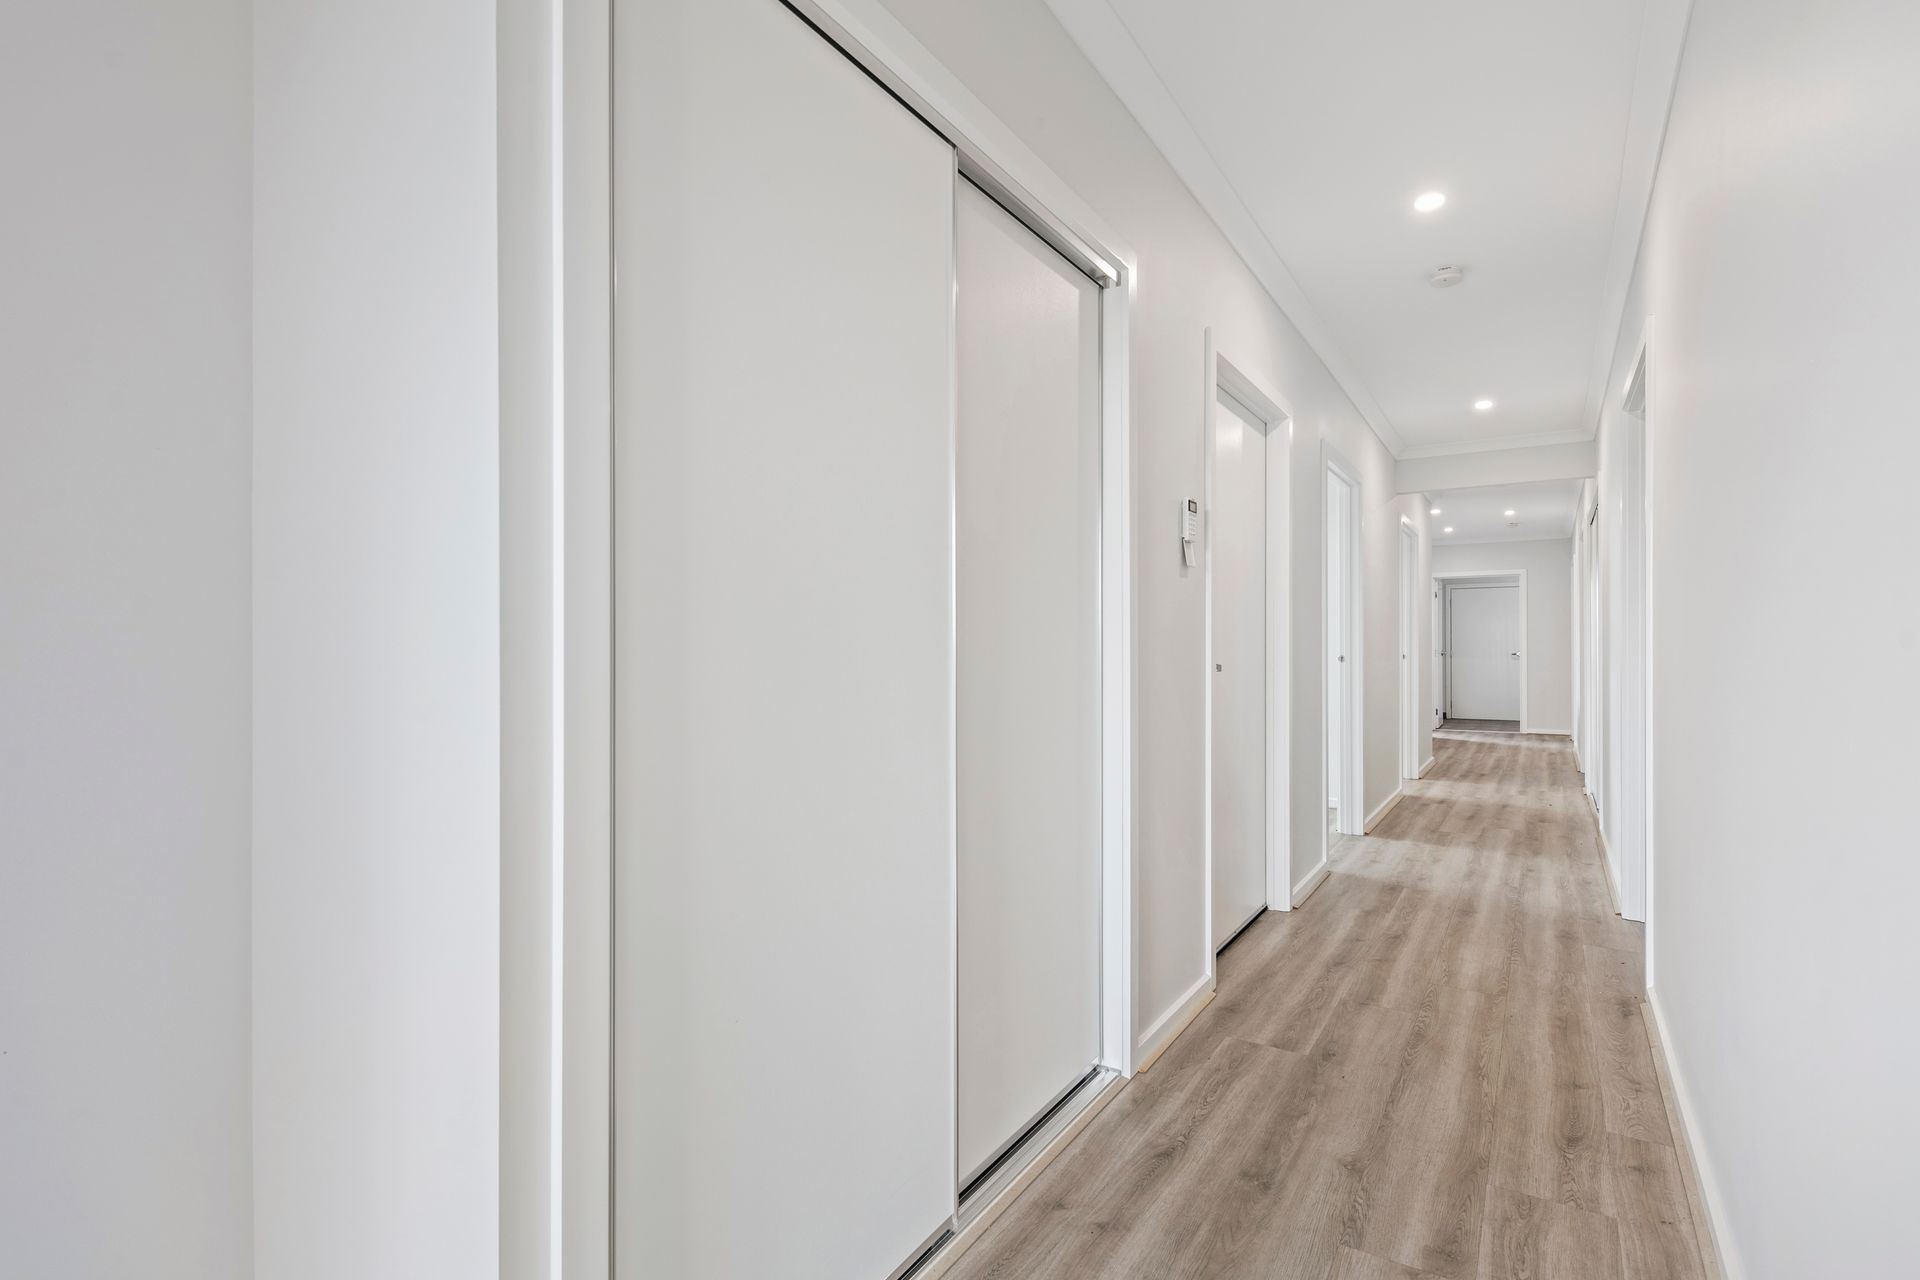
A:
1427, 768
1718, 1258
1386, 807
1171, 1023
1309, 882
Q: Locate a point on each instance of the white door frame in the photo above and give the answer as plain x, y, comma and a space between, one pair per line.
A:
1630, 708
1352, 765
1410, 655
1481, 577
557, 537
1222, 376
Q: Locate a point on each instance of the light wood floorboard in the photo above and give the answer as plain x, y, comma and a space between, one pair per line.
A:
1436, 1068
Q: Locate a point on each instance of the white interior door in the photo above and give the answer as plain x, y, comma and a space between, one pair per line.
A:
1028, 450
1410, 656
783, 948
1483, 652
1237, 528
1338, 654
1598, 717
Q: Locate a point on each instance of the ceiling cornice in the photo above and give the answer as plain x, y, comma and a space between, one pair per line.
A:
1110, 46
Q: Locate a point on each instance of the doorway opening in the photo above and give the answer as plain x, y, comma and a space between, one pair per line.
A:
1483, 650
1341, 756
1247, 435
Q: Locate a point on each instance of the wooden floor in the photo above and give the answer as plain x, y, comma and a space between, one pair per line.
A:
1435, 1067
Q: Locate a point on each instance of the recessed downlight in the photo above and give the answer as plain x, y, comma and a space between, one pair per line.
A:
1511, 512
1483, 404
1428, 201
1434, 512
1448, 529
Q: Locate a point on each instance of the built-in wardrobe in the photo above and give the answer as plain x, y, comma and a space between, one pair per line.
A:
857, 489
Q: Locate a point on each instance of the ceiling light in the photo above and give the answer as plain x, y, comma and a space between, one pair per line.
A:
1429, 201
1483, 404
1434, 512
1511, 513
1448, 529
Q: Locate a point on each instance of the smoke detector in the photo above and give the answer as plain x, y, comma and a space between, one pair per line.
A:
1445, 277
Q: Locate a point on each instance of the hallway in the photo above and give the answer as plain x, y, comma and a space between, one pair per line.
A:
1437, 1066
660, 641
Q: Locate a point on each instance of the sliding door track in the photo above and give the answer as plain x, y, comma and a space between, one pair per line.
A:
1030, 1142
921, 1260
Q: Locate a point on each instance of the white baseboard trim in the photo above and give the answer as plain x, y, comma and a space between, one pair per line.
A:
1386, 807
943, 1261
1718, 1257
1309, 882
1427, 768
1167, 1028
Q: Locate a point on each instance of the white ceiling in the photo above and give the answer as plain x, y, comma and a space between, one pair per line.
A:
1543, 509
1307, 127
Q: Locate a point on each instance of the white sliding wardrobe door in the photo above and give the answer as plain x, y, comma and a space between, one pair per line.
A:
1238, 533
1029, 677
1483, 652
783, 731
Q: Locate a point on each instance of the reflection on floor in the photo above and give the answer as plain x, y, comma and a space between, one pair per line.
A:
1437, 1067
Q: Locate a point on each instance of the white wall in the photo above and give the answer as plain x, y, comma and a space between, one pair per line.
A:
1548, 564
1015, 56
376, 623
1780, 266
123, 640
